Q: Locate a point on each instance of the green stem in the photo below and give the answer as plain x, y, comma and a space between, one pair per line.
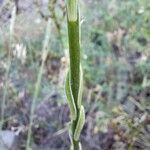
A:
76, 145
74, 52
74, 82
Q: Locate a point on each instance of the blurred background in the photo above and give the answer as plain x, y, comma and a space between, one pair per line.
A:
115, 55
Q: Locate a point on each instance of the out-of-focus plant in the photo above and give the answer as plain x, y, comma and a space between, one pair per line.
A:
11, 32
52, 11
56, 19
20, 52
38, 82
74, 80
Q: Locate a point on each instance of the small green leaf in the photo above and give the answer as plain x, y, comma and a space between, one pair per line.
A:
70, 98
80, 124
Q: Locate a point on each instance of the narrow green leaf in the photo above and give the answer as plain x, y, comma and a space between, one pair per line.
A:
70, 98
80, 88
80, 124
70, 136
80, 147
71, 148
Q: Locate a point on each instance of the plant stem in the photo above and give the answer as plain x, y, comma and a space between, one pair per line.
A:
74, 53
74, 80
